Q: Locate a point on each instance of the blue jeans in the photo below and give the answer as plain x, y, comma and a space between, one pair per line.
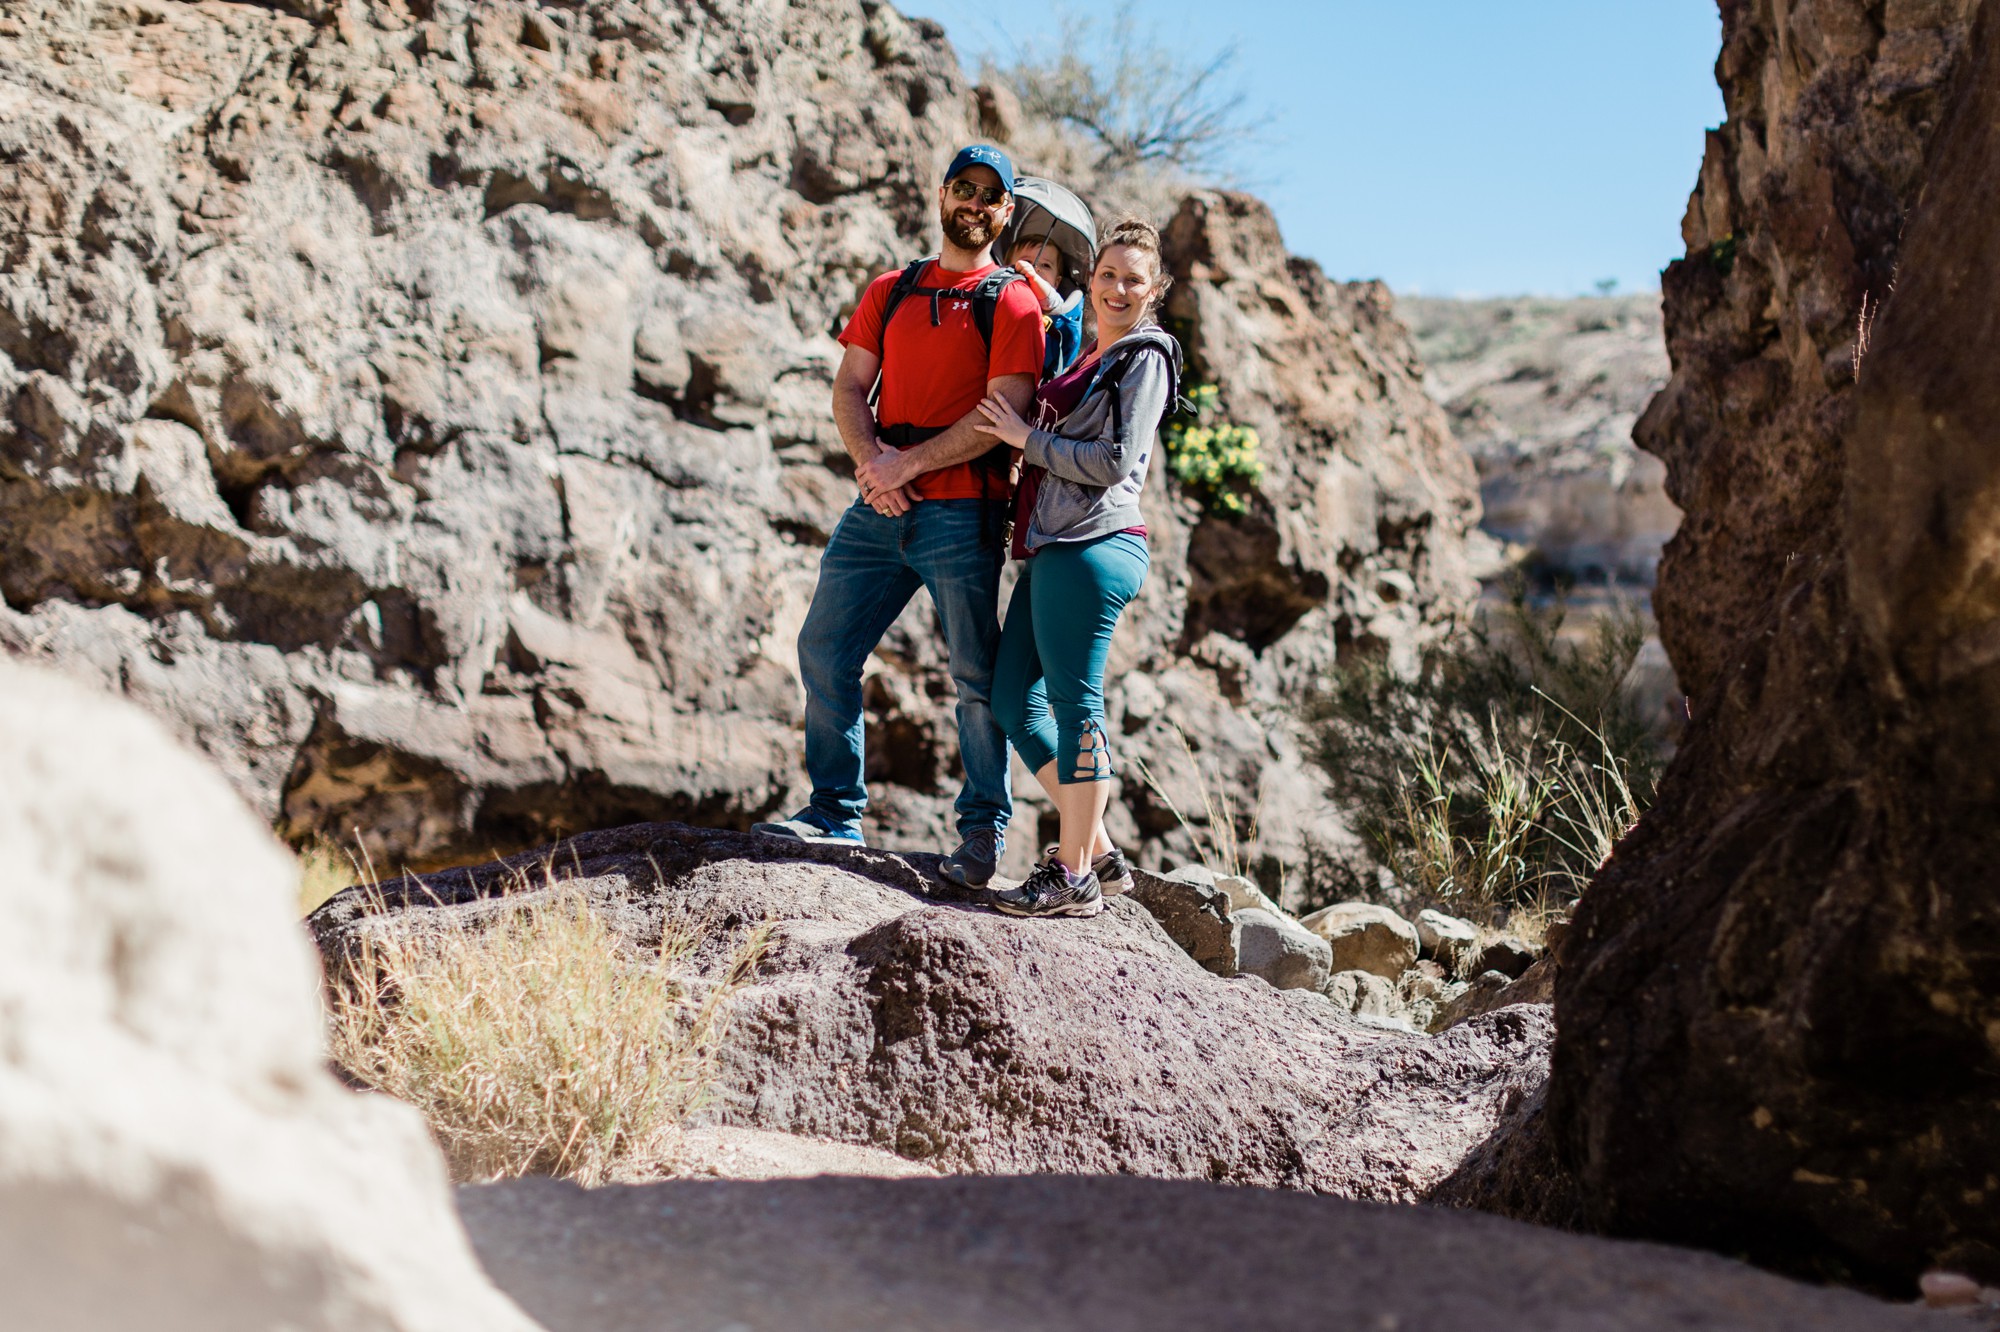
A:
872, 567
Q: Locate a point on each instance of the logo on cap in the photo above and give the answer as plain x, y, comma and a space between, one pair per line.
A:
980, 154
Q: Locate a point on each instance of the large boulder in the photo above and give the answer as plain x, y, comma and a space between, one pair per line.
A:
1366, 937
1067, 1254
1779, 1002
1281, 950
974, 1042
173, 1152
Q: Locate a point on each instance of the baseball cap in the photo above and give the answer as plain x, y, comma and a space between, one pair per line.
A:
980, 154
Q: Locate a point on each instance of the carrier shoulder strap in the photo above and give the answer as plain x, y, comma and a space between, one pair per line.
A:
984, 298
1113, 371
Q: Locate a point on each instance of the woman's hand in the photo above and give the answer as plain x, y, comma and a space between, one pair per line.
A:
1002, 421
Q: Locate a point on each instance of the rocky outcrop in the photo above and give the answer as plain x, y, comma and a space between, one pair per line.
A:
173, 1152
1779, 1003
1107, 1255
1793, 235
973, 1042
1544, 394
424, 409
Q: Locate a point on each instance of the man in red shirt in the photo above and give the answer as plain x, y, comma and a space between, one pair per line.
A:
931, 508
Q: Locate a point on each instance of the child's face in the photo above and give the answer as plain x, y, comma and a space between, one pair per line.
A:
1046, 258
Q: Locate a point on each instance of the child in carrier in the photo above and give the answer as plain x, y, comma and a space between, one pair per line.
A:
1041, 263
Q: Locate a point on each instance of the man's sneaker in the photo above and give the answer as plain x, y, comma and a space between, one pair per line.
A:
809, 825
1049, 891
978, 855
1113, 871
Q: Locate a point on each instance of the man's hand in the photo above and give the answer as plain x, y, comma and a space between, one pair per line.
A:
885, 481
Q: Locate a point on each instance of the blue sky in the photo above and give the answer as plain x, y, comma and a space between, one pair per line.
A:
1454, 147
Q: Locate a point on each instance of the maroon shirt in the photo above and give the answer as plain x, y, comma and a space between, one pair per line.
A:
1053, 401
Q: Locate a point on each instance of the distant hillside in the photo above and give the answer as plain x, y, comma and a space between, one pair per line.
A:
1543, 394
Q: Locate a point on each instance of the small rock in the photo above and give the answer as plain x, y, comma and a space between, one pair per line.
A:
1418, 984
1445, 938
1480, 995
1507, 955
1245, 895
1365, 994
1367, 938
1281, 950
1948, 1290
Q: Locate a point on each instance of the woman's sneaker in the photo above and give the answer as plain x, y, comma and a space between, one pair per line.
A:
1113, 871
1114, 874
1049, 891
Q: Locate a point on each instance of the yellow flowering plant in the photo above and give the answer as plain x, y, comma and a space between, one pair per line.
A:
1217, 462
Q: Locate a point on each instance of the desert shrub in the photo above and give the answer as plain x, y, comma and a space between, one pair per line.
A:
1215, 460
1495, 781
533, 1041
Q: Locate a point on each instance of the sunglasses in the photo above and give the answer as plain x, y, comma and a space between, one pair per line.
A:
991, 196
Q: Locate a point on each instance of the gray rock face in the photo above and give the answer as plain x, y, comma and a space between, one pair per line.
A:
1097, 1255
1281, 950
424, 410
970, 1041
173, 1153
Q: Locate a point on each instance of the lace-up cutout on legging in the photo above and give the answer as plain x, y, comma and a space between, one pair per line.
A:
1092, 760
1048, 684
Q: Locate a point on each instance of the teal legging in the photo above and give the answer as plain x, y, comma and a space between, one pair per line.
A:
1048, 684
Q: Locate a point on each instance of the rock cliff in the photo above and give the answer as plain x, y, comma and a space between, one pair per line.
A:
422, 406
1777, 1004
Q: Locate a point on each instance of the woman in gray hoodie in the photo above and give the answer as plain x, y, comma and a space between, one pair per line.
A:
1078, 530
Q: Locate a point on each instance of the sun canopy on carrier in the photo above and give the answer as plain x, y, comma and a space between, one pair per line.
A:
1042, 207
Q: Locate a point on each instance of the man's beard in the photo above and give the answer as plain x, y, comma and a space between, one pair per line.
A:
968, 228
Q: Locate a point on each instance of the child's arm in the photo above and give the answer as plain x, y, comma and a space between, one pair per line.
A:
1049, 297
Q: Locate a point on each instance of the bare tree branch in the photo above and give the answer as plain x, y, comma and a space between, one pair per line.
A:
1139, 100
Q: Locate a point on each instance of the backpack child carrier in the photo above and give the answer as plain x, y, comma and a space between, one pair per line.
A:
1112, 369
984, 299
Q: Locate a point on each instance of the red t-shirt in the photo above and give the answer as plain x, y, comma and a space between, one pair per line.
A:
938, 375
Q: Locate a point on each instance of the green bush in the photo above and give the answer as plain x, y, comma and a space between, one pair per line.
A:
1218, 462
1495, 782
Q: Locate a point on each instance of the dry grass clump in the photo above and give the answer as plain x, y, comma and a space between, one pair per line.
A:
1496, 781
1219, 843
324, 869
533, 1041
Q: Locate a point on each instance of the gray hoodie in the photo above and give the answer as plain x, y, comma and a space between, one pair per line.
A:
1095, 473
